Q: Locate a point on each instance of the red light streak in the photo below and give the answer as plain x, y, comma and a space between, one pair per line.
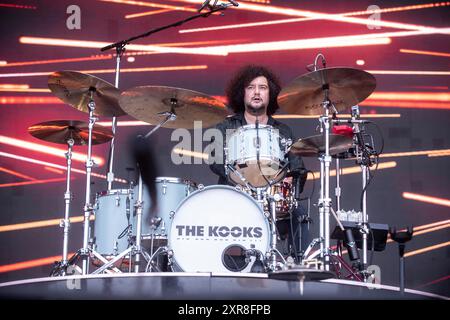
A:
433, 282
19, 143
54, 170
25, 90
26, 183
36, 62
17, 6
410, 72
14, 86
53, 165
133, 47
151, 4
152, 69
333, 17
17, 174
293, 20
405, 104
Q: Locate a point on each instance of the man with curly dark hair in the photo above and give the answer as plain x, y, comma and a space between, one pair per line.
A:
252, 96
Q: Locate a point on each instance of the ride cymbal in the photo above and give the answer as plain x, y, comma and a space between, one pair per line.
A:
346, 87
74, 89
151, 104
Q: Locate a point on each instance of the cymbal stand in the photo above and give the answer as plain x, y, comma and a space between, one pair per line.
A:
88, 208
60, 267
136, 249
110, 175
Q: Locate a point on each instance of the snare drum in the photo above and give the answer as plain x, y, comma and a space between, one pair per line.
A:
240, 153
212, 223
286, 204
170, 192
113, 211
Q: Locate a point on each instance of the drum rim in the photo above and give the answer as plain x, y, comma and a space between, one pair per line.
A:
114, 192
175, 180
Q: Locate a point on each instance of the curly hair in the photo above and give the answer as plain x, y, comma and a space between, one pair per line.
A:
235, 91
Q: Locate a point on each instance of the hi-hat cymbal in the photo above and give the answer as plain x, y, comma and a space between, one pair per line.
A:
315, 145
59, 131
74, 88
347, 87
149, 103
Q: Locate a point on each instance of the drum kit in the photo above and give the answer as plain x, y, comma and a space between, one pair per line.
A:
216, 228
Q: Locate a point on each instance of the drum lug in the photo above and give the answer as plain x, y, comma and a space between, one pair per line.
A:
171, 214
201, 186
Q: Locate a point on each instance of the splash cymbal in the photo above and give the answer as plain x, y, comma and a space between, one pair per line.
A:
59, 131
315, 145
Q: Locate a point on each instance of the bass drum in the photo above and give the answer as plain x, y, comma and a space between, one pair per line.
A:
214, 229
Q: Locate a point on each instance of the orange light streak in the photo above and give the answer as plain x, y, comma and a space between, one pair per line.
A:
428, 87
151, 4
152, 69
29, 100
428, 53
26, 183
413, 153
190, 153
41, 224
333, 17
36, 62
13, 86
431, 225
427, 199
351, 170
53, 165
17, 6
17, 174
147, 13
30, 264
293, 20
76, 156
440, 154
410, 72
54, 170
405, 104
427, 249
26, 90
411, 96
133, 47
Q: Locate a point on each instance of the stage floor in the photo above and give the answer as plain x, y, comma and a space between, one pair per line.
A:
199, 286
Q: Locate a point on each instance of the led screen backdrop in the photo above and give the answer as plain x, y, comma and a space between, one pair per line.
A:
404, 44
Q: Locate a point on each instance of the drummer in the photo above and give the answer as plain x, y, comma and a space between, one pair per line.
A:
252, 95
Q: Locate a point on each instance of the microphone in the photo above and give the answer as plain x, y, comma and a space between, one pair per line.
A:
204, 5
350, 121
258, 265
352, 249
298, 181
234, 3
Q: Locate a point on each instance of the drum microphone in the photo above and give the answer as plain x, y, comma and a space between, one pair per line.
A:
352, 249
234, 3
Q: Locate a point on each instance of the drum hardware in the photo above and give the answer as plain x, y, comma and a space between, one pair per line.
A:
318, 92
401, 237
71, 133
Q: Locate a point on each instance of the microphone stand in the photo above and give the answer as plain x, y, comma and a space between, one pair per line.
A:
120, 48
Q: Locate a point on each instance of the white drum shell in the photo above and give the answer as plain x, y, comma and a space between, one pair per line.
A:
209, 221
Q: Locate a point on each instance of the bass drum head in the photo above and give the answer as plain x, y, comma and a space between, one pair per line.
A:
211, 221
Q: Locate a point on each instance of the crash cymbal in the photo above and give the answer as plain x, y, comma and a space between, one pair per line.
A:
347, 87
59, 131
315, 145
73, 88
148, 104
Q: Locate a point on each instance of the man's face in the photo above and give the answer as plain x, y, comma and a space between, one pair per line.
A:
257, 94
